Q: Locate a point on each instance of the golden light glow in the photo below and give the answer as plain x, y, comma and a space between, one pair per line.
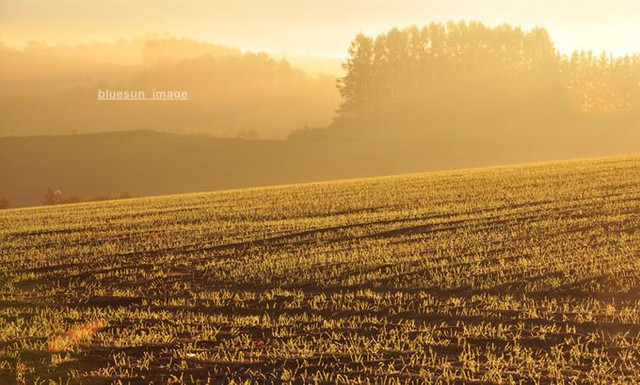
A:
308, 27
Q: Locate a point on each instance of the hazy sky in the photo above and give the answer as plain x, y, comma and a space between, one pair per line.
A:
320, 27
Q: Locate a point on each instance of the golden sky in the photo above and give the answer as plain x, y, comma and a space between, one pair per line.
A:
318, 27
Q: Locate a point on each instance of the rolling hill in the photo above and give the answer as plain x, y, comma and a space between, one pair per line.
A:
526, 273
145, 163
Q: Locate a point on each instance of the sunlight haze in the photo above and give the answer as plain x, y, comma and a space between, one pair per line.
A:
302, 28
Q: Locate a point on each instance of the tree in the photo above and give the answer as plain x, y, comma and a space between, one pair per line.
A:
52, 196
355, 86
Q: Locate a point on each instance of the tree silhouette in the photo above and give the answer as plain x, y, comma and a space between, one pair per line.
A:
355, 86
463, 73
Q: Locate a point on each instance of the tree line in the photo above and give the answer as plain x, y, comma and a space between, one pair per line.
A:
468, 72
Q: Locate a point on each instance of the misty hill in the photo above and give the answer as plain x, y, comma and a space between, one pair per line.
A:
25, 75
53, 90
145, 163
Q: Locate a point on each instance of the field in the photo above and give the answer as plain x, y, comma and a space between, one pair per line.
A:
148, 163
520, 274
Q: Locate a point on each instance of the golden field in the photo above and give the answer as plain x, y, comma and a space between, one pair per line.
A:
518, 274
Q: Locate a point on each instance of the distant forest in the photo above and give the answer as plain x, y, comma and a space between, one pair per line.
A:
445, 82
52, 90
471, 77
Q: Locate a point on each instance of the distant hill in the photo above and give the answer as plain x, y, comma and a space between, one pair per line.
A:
35, 74
146, 163
52, 90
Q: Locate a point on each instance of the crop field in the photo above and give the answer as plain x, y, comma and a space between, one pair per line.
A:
519, 274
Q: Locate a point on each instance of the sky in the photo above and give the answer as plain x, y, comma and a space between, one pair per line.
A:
318, 27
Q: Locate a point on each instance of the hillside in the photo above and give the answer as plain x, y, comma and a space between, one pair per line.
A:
522, 273
52, 90
145, 163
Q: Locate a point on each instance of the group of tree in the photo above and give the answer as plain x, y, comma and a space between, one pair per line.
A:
457, 73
